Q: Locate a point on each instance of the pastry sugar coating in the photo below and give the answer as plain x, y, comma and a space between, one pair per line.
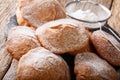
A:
62, 36
105, 48
88, 66
41, 64
20, 40
36, 12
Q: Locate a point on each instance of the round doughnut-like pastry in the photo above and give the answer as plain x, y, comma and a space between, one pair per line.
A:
20, 40
41, 64
105, 48
88, 66
62, 36
36, 12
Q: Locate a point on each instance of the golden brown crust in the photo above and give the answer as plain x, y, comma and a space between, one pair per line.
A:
88, 66
36, 12
22, 30
22, 21
105, 49
64, 35
41, 64
20, 41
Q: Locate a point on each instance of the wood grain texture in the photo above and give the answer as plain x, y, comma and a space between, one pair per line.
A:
11, 73
106, 3
7, 8
114, 21
5, 61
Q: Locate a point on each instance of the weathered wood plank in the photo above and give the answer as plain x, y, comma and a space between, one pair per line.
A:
5, 61
106, 3
7, 8
114, 21
11, 73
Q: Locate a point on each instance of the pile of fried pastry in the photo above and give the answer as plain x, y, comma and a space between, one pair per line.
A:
51, 46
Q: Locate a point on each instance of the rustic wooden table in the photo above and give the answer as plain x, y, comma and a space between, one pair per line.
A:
8, 8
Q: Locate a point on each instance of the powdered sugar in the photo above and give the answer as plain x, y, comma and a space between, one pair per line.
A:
85, 15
